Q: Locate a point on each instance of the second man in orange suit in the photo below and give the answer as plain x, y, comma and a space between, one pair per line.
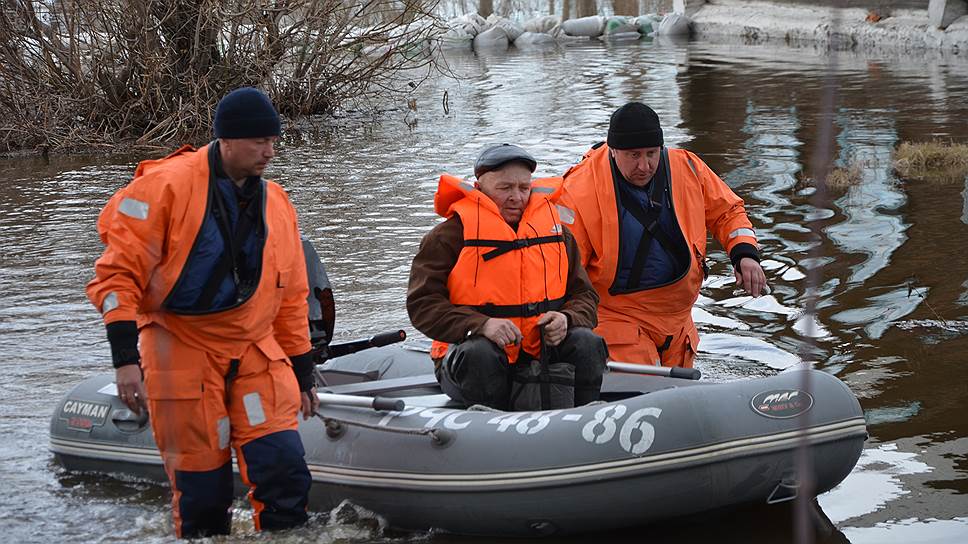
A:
641, 213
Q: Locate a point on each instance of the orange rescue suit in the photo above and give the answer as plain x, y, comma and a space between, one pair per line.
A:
149, 228
517, 275
654, 325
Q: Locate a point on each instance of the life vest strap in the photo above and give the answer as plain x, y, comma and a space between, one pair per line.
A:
520, 310
507, 246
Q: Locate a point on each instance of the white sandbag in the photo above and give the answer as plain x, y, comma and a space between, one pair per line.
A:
566, 39
534, 39
622, 36
456, 39
619, 25
512, 29
541, 24
674, 24
647, 24
472, 24
492, 38
591, 27
377, 50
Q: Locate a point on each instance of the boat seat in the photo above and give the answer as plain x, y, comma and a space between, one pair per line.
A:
383, 386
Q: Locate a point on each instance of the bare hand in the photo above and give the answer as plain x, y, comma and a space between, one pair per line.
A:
750, 276
309, 403
501, 331
131, 389
554, 327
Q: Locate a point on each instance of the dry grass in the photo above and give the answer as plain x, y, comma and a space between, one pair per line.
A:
839, 177
932, 161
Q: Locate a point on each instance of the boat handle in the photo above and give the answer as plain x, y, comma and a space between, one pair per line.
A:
788, 488
128, 421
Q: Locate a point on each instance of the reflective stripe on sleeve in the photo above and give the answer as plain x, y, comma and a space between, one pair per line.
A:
742, 232
134, 208
110, 303
542, 190
566, 214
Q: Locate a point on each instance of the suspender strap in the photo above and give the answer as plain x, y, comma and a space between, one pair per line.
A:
520, 310
507, 246
232, 257
649, 219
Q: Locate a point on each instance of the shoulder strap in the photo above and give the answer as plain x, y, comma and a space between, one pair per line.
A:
649, 219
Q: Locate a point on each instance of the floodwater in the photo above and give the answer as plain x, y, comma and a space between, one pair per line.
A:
892, 290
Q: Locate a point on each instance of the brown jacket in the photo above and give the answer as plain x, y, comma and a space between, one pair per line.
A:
428, 301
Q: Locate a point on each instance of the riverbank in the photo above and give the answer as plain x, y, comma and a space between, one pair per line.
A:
841, 28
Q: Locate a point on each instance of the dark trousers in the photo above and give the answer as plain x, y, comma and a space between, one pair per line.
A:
274, 468
477, 371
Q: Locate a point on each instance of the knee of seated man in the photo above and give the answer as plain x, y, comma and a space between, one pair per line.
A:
585, 343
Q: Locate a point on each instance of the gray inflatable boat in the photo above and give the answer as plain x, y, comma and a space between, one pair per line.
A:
655, 448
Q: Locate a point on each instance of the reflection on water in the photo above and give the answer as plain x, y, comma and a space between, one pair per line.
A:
873, 484
892, 297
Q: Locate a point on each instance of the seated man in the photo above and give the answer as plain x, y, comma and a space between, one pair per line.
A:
501, 281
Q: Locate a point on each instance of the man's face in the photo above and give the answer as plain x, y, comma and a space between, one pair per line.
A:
244, 157
509, 188
637, 165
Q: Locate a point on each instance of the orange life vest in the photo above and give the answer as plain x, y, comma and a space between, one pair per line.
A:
149, 228
702, 203
502, 273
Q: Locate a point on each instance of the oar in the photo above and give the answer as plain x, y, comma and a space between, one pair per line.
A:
667, 371
382, 339
376, 403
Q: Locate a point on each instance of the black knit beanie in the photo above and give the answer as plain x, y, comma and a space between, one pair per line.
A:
634, 125
246, 113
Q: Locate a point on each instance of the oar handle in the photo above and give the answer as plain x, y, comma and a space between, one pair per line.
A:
383, 339
376, 403
667, 371
387, 338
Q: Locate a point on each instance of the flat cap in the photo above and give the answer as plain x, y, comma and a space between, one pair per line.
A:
496, 156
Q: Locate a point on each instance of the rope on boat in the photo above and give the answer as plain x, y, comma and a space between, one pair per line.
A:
335, 429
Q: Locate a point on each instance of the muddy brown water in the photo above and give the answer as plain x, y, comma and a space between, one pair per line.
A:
892, 298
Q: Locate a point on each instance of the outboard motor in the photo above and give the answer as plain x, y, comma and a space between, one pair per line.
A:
322, 305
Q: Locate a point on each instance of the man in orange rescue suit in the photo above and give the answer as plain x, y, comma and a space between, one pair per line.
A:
500, 288
203, 263
640, 212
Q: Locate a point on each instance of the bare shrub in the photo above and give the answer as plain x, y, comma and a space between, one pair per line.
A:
83, 74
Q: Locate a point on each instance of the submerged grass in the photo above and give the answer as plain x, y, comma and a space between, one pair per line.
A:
941, 162
839, 177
